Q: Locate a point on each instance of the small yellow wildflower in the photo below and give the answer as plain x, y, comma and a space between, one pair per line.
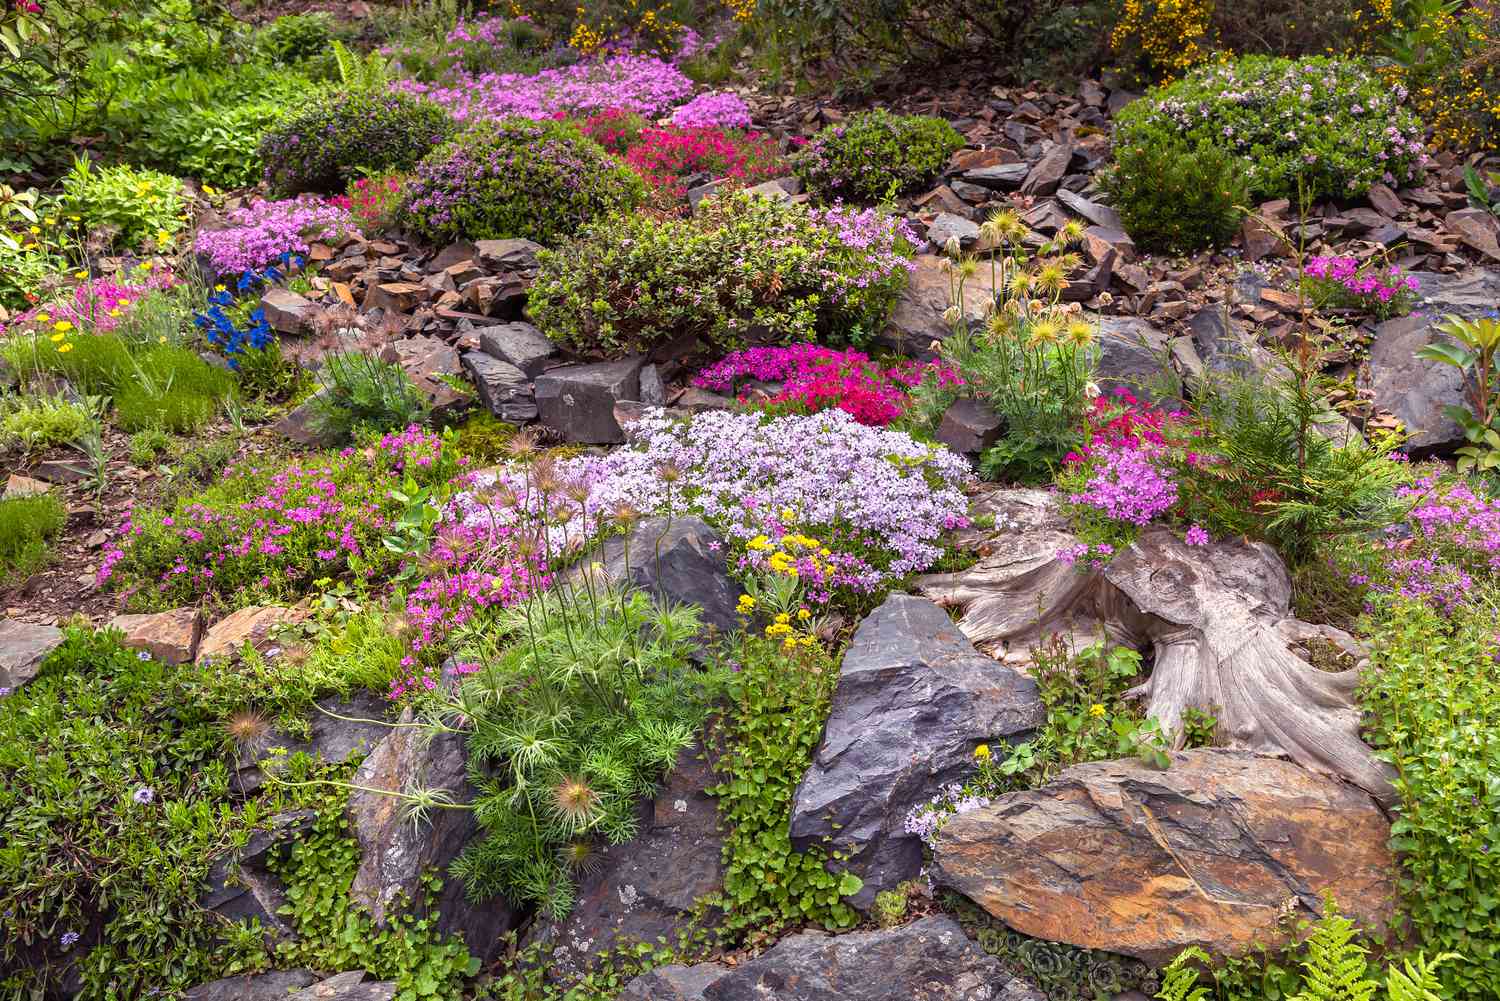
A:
64, 349
208, 190
80, 275
74, 218
778, 629
759, 542
982, 752
62, 326
746, 603
788, 514
124, 302
162, 236
162, 339
803, 614
783, 618
36, 230
1097, 711
57, 337
115, 313
220, 288
43, 317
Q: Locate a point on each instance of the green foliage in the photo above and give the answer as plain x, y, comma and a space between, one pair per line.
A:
516, 178
1474, 353
366, 73
360, 393
295, 38
582, 698
333, 934
1416, 979
37, 423
333, 139
1318, 123
1333, 968
483, 438
112, 793
875, 155
1176, 197
1180, 981
26, 523
891, 905
778, 703
24, 266
1432, 695
142, 208
145, 446
1286, 474
741, 265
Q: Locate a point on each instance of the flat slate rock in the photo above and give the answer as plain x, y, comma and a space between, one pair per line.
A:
272, 986
23, 648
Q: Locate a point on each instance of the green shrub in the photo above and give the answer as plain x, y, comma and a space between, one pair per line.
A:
1326, 127
37, 423
606, 677
876, 155
1177, 198
26, 523
292, 38
146, 445
779, 701
24, 267
143, 207
741, 267
360, 393
516, 178
1432, 701
333, 140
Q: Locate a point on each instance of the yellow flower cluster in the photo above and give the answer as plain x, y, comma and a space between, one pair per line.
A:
791, 547
649, 22
1460, 100
1171, 36
741, 10
782, 626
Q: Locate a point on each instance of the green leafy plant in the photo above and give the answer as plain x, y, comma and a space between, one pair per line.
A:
779, 700
1179, 981
741, 265
1176, 197
37, 423
295, 38
516, 178
582, 697
143, 208
1481, 189
875, 155
26, 524
1433, 699
1334, 966
333, 139
360, 393
145, 446
1473, 353
367, 73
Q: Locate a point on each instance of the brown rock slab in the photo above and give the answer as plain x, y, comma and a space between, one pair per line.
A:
23, 647
17, 485
399, 297
255, 625
1047, 173
1477, 229
918, 320
286, 311
1210, 852
171, 636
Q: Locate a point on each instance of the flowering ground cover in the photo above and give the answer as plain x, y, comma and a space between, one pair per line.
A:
257, 235
1343, 282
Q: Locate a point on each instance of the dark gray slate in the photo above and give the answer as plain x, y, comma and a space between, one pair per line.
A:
914, 699
242, 887
927, 960
518, 344
23, 647
653, 391
502, 387
395, 854
672, 560
332, 740
301, 426
273, 986
947, 225
351, 986
969, 427
1224, 349
1416, 390
644, 888
507, 255
1132, 354
1000, 177
673, 983
577, 401
1047, 173
1094, 212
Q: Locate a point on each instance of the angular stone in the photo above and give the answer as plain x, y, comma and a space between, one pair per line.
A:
286, 311
577, 401
1260, 240
395, 855
351, 986
695, 401
1048, 172
241, 886
673, 983
507, 255
461, 252
503, 389
914, 699
1133, 355
653, 392
773, 190
170, 637
17, 485
256, 626
23, 648
998, 177
927, 960
299, 425
330, 738
395, 297
519, 344
918, 321
1210, 852
948, 226
969, 427
1385, 200
1362, 220
1099, 241
272, 986
675, 561
1417, 390
429, 363
498, 297
1477, 228
1094, 212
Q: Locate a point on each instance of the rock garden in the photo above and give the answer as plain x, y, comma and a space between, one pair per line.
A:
750, 499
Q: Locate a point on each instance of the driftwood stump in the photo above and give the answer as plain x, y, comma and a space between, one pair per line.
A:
1216, 619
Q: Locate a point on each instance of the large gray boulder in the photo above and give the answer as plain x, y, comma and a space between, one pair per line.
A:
914, 699
395, 855
927, 960
674, 983
578, 401
1417, 390
678, 561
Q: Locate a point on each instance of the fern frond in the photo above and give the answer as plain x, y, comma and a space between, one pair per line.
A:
1180, 981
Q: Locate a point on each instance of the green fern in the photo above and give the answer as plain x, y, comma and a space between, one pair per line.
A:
1180, 981
1416, 979
369, 72
1334, 968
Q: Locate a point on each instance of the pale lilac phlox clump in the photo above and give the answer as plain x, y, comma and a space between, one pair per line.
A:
259, 233
715, 109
